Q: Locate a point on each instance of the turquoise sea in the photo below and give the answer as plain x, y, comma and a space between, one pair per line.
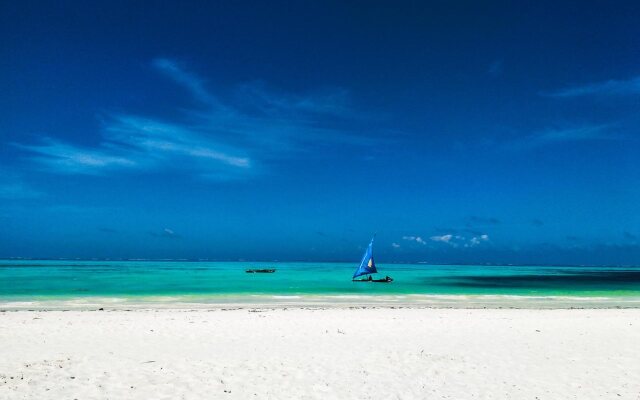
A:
36, 280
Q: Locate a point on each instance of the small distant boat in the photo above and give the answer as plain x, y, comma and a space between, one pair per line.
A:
368, 267
260, 271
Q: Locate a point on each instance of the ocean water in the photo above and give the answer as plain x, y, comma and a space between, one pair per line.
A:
27, 280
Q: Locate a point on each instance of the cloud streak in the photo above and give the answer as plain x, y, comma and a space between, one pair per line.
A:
155, 137
220, 141
14, 187
63, 157
166, 233
611, 87
193, 83
554, 136
130, 143
329, 102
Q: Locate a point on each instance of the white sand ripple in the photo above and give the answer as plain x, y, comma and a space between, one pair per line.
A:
321, 354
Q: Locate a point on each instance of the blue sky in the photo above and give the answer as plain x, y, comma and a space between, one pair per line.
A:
459, 131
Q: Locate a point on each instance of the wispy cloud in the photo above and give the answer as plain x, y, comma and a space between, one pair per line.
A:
17, 191
131, 143
553, 136
610, 87
395, 245
161, 139
220, 140
69, 158
13, 188
334, 101
190, 81
166, 233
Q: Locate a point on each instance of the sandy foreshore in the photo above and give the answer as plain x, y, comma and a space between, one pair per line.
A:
339, 353
208, 302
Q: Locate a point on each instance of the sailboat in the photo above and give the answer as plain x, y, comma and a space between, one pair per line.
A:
368, 267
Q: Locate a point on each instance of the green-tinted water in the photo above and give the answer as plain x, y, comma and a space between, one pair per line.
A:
71, 279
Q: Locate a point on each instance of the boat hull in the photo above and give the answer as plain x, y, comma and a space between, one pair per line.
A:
374, 280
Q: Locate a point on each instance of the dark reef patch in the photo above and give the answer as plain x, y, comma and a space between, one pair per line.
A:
615, 279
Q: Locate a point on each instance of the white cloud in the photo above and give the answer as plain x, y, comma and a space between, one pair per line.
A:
395, 245
460, 241
450, 240
477, 240
442, 238
416, 239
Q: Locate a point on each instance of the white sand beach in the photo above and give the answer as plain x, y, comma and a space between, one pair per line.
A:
336, 353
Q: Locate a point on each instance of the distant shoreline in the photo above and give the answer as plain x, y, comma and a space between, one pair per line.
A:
192, 260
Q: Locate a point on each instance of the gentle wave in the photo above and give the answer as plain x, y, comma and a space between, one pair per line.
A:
253, 301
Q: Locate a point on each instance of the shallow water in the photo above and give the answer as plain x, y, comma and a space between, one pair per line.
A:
27, 280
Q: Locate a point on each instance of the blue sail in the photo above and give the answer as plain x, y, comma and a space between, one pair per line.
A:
367, 265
